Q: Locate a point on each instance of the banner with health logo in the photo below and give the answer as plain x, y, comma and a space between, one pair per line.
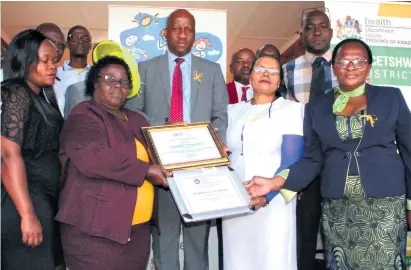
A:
386, 28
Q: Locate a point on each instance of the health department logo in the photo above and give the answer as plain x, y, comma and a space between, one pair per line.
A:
348, 28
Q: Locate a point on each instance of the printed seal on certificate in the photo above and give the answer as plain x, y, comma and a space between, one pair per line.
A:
202, 185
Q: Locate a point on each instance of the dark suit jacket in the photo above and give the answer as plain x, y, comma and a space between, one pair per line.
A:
232, 93
101, 171
75, 94
383, 171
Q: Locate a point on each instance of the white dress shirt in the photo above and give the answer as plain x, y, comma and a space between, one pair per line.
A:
66, 76
249, 93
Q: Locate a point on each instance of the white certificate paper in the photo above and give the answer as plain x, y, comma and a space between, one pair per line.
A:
188, 145
209, 192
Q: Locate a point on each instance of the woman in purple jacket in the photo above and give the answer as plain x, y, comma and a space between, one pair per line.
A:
107, 195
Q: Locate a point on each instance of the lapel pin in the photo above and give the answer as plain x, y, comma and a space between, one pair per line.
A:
197, 76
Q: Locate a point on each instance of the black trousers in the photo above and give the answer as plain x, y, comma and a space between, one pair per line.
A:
308, 222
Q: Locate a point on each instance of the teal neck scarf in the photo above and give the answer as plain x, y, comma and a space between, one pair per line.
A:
341, 101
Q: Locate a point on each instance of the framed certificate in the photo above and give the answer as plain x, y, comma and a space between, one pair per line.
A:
208, 193
186, 146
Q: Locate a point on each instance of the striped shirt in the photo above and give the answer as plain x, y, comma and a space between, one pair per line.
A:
298, 73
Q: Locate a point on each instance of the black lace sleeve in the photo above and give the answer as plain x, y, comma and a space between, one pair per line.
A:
14, 113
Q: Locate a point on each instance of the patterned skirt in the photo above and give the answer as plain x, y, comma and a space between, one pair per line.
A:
363, 233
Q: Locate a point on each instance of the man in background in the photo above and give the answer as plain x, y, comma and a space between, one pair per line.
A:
240, 89
268, 50
74, 70
308, 78
55, 34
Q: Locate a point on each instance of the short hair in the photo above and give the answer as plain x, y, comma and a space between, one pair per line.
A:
22, 53
351, 40
43, 25
94, 72
74, 28
309, 11
179, 10
234, 56
258, 52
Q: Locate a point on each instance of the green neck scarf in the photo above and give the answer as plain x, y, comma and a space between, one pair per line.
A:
341, 101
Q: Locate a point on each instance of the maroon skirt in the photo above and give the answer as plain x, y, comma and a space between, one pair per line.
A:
83, 251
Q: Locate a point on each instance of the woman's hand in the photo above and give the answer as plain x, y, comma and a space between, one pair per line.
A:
260, 186
157, 175
258, 202
31, 230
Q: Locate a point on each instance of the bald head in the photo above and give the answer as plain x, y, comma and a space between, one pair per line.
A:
180, 32
55, 34
180, 13
268, 50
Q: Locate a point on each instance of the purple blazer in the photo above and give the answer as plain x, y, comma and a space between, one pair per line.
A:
101, 171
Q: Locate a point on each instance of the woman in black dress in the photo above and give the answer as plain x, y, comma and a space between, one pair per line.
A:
30, 129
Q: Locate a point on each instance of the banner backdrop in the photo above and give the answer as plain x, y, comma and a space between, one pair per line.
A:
140, 29
386, 28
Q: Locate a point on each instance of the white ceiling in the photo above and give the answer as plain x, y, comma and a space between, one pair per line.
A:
249, 24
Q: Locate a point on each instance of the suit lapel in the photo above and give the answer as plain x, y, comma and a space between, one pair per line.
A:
369, 131
162, 64
195, 84
326, 120
232, 93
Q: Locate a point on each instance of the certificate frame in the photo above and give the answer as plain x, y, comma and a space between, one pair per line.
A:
155, 155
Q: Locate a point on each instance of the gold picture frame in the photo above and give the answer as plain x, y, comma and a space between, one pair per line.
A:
155, 155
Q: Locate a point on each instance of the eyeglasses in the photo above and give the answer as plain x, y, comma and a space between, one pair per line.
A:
76, 38
112, 81
357, 63
270, 71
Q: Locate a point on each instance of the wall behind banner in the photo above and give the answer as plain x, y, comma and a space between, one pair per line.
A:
140, 30
386, 29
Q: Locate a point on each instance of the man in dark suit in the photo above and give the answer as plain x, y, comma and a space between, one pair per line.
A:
240, 89
180, 87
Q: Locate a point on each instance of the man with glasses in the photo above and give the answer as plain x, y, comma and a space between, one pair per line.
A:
240, 89
307, 78
73, 71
